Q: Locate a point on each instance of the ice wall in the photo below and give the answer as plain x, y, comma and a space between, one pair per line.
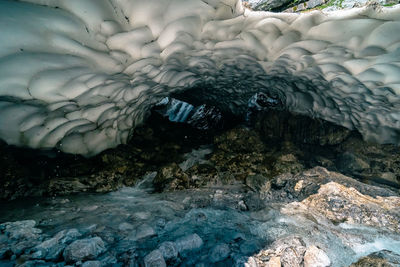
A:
80, 74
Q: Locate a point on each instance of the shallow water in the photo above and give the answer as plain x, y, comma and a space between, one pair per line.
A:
120, 218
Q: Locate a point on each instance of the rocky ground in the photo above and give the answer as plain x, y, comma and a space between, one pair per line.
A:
267, 195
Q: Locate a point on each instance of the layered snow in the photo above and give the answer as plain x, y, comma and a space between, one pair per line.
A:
78, 75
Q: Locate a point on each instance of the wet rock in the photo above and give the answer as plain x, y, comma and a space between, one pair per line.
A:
52, 248
154, 259
171, 178
315, 257
84, 249
168, 250
18, 237
340, 204
20, 230
219, 253
383, 258
189, 242
290, 251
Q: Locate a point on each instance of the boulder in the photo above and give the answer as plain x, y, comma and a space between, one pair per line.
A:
84, 249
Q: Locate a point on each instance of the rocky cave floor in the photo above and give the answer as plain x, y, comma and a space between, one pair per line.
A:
288, 191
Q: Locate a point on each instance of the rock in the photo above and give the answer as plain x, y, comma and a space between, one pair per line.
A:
258, 183
290, 251
340, 204
219, 253
287, 163
144, 231
92, 264
51, 249
350, 163
168, 250
274, 262
171, 178
189, 242
154, 259
383, 258
240, 140
84, 249
67, 236
20, 230
315, 257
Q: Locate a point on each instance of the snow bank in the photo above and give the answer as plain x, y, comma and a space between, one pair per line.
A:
79, 75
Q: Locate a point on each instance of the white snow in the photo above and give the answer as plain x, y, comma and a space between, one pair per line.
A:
80, 76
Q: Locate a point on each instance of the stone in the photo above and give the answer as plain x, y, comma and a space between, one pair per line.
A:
84, 249
168, 250
154, 259
315, 257
189, 242
219, 253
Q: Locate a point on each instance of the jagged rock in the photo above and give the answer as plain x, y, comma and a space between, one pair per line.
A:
219, 253
339, 204
315, 257
154, 259
84, 249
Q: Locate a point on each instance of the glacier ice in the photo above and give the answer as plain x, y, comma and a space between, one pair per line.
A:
79, 75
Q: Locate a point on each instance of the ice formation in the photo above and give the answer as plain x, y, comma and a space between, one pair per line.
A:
78, 75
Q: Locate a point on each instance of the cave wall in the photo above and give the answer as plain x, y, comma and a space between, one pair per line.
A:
80, 75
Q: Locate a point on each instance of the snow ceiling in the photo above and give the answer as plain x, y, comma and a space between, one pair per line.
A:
78, 75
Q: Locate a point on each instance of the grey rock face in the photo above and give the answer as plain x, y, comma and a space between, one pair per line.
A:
84, 249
